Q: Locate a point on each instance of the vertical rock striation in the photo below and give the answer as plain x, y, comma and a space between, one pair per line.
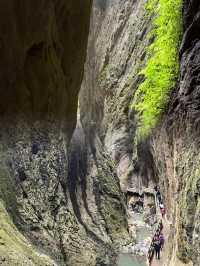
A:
116, 53
42, 48
61, 177
175, 148
102, 158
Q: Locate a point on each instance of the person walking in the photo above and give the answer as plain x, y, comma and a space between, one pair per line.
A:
161, 205
157, 246
161, 226
150, 254
158, 194
162, 212
162, 240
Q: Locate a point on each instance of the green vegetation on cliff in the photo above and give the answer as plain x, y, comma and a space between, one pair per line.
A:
162, 67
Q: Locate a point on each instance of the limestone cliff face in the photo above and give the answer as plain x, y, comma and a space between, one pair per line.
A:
103, 159
61, 181
116, 53
60, 187
42, 49
175, 148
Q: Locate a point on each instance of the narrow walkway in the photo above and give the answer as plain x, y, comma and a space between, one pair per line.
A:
174, 261
163, 254
166, 230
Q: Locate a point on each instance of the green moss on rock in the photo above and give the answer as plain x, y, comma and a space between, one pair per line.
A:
14, 247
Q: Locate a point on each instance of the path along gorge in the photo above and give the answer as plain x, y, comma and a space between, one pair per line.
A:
71, 110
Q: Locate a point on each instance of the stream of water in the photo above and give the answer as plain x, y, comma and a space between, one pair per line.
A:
143, 233
129, 260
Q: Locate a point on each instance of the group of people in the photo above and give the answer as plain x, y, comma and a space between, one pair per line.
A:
157, 243
137, 205
158, 240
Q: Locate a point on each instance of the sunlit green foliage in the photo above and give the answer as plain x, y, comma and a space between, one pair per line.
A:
162, 66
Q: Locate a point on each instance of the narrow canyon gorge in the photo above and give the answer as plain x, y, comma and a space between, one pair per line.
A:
70, 155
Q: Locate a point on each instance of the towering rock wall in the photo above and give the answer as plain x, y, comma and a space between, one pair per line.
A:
103, 157
175, 148
60, 188
42, 49
116, 53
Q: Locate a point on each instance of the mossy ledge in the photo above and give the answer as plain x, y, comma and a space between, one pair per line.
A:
162, 67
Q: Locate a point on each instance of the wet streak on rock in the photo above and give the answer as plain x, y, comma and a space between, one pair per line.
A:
78, 178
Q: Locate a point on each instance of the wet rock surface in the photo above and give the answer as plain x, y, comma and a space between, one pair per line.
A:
62, 183
175, 148
117, 40
116, 53
142, 235
42, 51
141, 229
